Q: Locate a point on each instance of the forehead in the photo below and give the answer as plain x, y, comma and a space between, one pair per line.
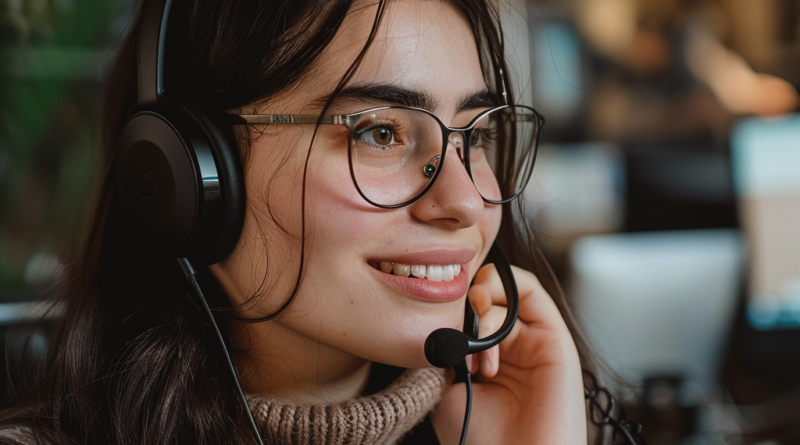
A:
422, 45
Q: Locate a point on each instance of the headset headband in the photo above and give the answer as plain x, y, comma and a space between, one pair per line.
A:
178, 169
150, 52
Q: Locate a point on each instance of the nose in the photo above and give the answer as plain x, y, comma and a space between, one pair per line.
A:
452, 201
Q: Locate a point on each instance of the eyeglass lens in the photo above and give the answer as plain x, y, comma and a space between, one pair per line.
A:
395, 152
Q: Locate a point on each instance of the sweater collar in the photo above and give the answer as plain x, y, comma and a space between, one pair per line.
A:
380, 418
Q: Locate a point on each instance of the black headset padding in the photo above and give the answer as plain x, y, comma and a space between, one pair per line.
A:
231, 182
180, 177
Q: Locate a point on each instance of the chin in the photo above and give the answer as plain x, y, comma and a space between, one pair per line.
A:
406, 349
412, 360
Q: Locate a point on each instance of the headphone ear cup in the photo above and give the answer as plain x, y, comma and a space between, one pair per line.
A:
231, 185
180, 179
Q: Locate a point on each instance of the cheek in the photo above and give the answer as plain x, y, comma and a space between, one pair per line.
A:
338, 222
488, 225
485, 181
490, 222
337, 218
265, 260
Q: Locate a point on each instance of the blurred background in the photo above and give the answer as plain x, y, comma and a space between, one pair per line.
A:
666, 193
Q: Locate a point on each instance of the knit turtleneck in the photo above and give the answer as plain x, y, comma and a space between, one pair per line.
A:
380, 418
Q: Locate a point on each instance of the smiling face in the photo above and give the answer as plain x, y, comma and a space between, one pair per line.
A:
355, 303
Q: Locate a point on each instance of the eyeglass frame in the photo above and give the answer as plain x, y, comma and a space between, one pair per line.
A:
447, 132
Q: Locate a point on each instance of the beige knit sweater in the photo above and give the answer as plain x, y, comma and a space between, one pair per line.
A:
381, 418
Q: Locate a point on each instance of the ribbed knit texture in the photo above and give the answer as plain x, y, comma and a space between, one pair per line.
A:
381, 418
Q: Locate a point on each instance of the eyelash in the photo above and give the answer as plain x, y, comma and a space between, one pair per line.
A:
393, 127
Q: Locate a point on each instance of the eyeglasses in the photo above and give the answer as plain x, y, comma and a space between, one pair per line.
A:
396, 153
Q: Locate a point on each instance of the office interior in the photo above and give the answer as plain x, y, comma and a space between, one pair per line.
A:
666, 193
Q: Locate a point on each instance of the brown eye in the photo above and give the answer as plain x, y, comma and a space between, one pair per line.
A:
382, 136
377, 137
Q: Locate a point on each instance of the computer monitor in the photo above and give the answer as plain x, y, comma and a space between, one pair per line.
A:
659, 303
765, 155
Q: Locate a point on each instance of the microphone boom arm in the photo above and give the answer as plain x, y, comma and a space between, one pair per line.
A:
447, 347
498, 258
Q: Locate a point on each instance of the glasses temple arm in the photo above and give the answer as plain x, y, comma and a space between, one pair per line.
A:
244, 119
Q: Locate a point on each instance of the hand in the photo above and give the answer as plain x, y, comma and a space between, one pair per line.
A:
529, 389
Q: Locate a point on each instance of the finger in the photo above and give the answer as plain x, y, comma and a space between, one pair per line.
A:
489, 362
472, 363
535, 304
490, 322
540, 335
488, 299
486, 290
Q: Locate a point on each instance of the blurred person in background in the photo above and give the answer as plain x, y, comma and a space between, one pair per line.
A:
663, 50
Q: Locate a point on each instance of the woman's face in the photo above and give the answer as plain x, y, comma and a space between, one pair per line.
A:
346, 307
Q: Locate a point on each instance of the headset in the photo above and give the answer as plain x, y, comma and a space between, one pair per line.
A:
178, 169
180, 179
448, 347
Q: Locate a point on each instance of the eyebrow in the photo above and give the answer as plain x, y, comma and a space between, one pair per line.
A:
396, 95
482, 99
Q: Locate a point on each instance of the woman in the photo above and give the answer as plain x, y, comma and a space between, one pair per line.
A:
326, 277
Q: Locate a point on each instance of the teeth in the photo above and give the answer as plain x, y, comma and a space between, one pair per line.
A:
448, 272
434, 272
419, 271
401, 270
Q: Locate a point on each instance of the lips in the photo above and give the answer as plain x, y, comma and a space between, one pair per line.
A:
432, 276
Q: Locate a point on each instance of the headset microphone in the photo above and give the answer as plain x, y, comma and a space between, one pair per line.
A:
448, 347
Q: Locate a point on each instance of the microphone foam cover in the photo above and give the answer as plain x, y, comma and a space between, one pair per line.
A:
446, 347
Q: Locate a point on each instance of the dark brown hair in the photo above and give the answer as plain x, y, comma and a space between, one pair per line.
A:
131, 358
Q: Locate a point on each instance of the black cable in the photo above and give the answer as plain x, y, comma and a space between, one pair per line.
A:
462, 373
602, 406
191, 275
